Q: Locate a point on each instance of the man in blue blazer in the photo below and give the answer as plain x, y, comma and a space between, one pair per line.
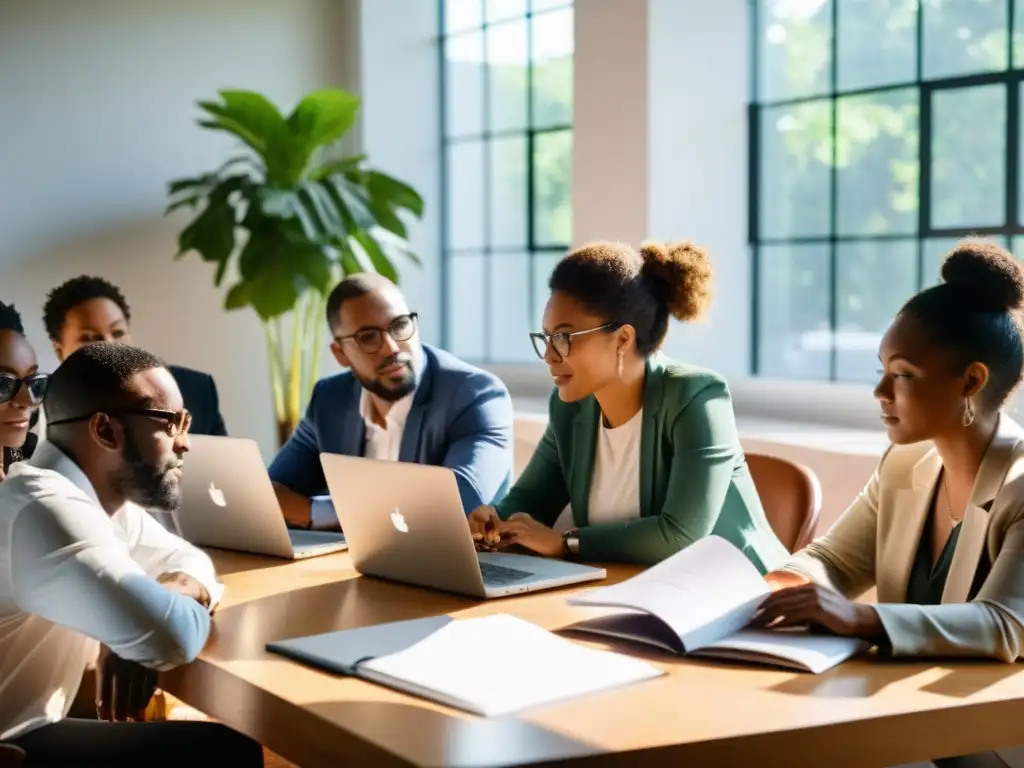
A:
399, 400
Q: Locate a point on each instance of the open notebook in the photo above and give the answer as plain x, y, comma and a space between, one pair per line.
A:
699, 602
453, 662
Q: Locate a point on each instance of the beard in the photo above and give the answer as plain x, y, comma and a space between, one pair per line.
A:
148, 484
391, 389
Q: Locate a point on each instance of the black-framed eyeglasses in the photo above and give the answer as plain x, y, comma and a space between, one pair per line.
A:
35, 385
561, 341
370, 340
178, 422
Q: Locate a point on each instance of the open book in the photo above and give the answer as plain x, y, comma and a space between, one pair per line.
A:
700, 601
452, 661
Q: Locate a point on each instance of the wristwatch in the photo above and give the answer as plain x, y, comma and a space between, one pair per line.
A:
570, 544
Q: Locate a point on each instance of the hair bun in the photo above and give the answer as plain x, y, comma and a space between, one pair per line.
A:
988, 272
682, 271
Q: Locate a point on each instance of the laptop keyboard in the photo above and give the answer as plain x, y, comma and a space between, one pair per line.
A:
500, 576
311, 540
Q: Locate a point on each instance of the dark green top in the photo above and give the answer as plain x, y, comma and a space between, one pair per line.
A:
925, 585
694, 479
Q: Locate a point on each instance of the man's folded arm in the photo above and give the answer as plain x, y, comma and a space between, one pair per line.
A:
70, 566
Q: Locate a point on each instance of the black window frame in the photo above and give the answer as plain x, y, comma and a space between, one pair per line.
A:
1013, 222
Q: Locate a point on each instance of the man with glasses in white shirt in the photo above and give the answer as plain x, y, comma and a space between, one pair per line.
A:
85, 569
398, 400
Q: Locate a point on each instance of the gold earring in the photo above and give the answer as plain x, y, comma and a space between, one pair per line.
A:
620, 362
968, 412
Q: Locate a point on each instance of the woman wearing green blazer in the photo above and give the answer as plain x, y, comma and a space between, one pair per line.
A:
643, 449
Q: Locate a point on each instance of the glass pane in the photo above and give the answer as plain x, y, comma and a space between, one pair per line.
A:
793, 311
552, 188
969, 157
509, 309
498, 10
465, 310
1020, 160
935, 251
796, 151
508, 192
877, 158
1018, 34
552, 49
506, 67
543, 265
874, 280
794, 42
544, 5
460, 15
962, 37
877, 42
466, 194
1017, 247
464, 85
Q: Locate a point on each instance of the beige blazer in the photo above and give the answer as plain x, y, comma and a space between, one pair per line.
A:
875, 541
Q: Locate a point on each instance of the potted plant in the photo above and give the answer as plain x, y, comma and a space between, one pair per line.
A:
298, 220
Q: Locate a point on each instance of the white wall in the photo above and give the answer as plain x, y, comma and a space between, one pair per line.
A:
98, 115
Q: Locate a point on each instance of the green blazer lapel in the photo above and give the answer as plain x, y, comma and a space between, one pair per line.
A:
649, 467
582, 469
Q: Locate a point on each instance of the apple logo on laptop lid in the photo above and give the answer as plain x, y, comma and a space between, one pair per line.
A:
217, 495
398, 520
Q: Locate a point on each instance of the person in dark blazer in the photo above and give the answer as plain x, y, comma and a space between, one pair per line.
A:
22, 387
87, 309
398, 400
643, 449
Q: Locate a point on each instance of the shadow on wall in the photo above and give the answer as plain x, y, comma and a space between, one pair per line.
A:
176, 311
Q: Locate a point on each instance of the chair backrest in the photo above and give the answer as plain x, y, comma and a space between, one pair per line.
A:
791, 495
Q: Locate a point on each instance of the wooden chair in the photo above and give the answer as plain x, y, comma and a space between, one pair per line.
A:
791, 495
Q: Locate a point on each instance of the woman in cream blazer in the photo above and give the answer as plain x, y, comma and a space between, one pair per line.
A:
939, 529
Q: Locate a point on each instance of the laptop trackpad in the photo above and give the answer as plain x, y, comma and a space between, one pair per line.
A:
303, 541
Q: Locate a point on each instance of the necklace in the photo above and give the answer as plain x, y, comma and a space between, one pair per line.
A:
949, 505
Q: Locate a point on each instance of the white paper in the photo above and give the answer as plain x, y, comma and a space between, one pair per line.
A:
794, 649
703, 593
460, 665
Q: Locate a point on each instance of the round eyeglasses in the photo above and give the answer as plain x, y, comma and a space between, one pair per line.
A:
561, 341
370, 340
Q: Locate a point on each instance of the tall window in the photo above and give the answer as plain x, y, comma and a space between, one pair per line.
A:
881, 132
507, 92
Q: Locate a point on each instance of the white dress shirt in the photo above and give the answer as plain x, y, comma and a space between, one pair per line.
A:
615, 484
385, 442
71, 575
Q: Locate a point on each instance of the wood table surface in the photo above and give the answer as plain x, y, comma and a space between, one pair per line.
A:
863, 713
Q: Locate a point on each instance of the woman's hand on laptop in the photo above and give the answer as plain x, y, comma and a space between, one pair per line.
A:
522, 529
485, 525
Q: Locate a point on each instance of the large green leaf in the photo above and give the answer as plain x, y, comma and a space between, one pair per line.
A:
386, 217
322, 117
314, 265
320, 203
384, 187
238, 296
352, 203
381, 263
212, 232
341, 165
273, 292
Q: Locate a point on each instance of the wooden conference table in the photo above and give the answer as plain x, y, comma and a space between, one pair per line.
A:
862, 713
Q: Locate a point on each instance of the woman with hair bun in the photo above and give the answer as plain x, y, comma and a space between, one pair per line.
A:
643, 449
939, 528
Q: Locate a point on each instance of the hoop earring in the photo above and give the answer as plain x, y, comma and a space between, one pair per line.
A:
968, 412
620, 362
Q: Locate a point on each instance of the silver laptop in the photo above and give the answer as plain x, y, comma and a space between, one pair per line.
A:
229, 502
405, 522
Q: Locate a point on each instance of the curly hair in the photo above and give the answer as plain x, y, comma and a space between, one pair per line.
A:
78, 290
10, 319
642, 289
